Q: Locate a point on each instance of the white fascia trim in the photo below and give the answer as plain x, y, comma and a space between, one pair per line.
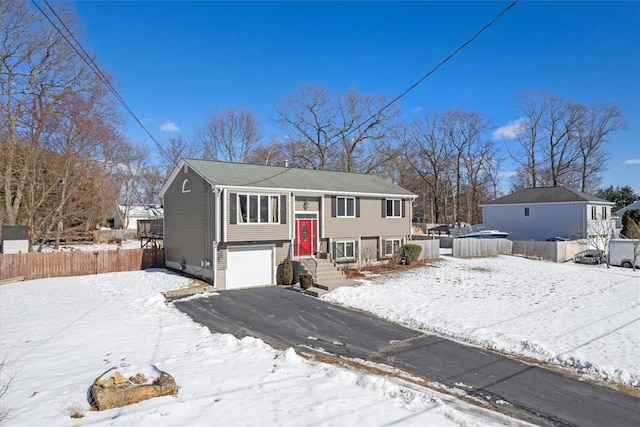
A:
551, 203
315, 193
175, 173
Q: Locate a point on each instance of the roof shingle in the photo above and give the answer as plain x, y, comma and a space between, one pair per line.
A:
259, 176
557, 194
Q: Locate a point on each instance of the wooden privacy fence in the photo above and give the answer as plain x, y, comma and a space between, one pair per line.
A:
38, 265
552, 251
430, 248
475, 248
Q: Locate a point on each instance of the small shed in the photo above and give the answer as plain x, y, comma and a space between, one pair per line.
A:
15, 239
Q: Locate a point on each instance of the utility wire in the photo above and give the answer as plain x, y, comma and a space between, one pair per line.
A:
91, 63
417, 83
87, 59
434, 69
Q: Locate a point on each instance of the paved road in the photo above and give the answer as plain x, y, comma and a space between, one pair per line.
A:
285, 319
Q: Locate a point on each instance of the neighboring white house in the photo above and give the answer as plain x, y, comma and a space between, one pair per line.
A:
620, 213
547, 212
129, 215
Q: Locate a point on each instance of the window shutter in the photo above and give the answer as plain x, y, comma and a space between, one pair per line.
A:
233, 208
357, 207
334, 250
283, 209
402, 208
334, 206
384, 208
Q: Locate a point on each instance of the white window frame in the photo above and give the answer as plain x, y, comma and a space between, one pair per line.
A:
273, 216
392, 246
186, 186
346, 201
394, 208
344, 244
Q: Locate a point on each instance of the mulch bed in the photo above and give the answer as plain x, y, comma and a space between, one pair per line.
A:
386, 268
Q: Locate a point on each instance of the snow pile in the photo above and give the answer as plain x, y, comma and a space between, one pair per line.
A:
58, 335
579, 316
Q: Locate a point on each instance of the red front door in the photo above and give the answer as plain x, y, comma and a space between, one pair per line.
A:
306, 237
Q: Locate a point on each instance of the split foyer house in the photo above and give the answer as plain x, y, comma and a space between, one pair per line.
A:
548, 212
231, 224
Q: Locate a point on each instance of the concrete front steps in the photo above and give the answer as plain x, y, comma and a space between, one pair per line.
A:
328, 277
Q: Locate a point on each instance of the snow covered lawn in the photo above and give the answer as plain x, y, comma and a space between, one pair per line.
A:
584, 317
58, 335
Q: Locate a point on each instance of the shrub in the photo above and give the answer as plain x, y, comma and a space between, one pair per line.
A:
410, 253
287, 272
630, 223
306, 281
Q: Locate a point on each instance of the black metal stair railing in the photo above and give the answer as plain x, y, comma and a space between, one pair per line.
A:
306, 258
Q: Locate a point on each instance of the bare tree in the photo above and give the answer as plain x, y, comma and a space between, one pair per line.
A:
592, 132
462, 131
429, 155
599, 234
174, 150
129, 174
562, 142
230, 135
526, 152
57, 128
350, 132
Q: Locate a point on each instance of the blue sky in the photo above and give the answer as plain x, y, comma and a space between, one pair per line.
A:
175, 62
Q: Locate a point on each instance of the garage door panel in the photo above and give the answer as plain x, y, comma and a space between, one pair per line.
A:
249, 266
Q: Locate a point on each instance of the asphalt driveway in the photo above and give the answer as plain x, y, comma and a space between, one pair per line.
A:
284, 318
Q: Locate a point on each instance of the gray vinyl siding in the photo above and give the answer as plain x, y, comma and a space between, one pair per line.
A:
255, 232
370, 222
188, 222
282, 251
545, 220
313, 204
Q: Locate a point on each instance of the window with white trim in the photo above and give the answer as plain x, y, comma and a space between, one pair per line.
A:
604, 212
393, 208
258, 208
391, 246
594, 212
346, 207
345, 250
186, 186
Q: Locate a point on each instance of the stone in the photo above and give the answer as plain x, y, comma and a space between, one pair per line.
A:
138, 379
118, 378
113, 392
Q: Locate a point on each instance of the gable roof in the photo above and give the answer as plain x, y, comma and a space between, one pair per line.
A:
559, 194
277, 177
634, 205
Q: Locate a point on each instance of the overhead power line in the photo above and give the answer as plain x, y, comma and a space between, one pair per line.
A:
417, 83
434, 69
89, 61
82, 53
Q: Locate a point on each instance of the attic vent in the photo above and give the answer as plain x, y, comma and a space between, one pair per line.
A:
186, 168
186, 186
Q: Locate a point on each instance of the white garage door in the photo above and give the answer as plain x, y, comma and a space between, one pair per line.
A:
249, 266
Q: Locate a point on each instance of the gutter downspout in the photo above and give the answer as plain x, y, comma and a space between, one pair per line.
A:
217, 218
